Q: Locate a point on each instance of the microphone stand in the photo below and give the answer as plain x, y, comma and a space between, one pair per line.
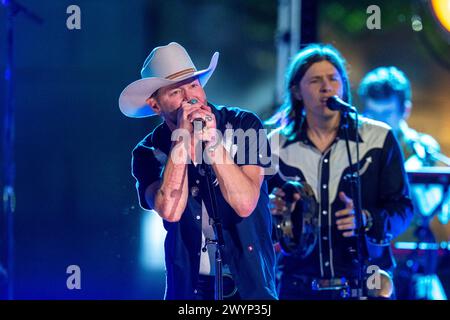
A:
9, 199
219, 243
355, 187
218, 230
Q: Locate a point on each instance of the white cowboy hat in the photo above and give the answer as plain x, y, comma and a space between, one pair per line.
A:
164, 66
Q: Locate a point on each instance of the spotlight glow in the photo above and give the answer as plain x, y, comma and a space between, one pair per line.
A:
152, 242
441, 9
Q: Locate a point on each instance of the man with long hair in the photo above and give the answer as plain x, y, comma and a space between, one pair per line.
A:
312, 154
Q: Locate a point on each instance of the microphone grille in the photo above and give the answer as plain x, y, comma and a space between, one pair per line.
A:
333, 103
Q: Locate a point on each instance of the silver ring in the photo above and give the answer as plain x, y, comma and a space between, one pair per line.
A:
208, 118
193, 101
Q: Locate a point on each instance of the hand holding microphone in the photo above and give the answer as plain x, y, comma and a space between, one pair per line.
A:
187, 112
198, 121
203, 122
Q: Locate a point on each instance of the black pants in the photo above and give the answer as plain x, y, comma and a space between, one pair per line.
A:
205, 288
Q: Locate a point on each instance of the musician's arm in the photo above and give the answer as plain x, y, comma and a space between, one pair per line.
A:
394, 211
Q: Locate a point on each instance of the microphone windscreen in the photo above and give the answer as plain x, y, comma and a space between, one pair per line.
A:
333, 103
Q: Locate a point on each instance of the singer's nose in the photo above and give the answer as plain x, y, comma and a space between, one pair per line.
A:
326, 86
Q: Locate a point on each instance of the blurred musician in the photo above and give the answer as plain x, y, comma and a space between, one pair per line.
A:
385, 93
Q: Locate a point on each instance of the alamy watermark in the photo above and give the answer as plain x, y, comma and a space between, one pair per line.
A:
73, 21
74, 280
374, 20
245, 147
373, 281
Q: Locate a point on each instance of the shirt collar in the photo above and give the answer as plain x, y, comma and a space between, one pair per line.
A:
303, 136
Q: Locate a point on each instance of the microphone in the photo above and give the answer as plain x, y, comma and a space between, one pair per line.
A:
337, 104
198, 122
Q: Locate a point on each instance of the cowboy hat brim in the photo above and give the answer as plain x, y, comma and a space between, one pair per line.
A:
132, 100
